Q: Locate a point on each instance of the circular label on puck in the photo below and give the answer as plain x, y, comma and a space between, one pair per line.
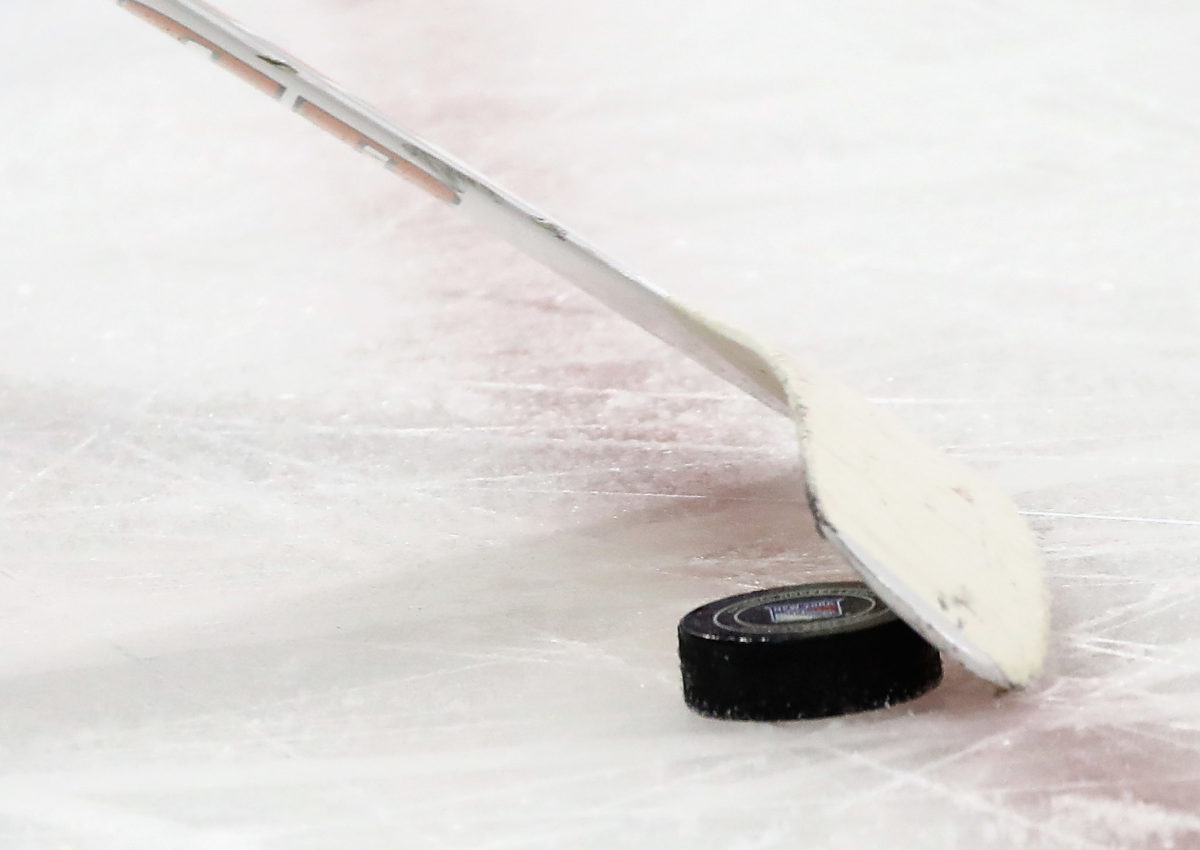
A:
803, 610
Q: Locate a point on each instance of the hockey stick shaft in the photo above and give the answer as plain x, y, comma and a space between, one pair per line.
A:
311, 95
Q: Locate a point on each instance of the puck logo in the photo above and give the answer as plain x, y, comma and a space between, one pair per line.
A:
804, 610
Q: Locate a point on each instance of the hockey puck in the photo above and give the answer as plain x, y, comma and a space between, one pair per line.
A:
812, 650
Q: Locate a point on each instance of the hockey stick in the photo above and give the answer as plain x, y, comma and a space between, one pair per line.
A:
941, 545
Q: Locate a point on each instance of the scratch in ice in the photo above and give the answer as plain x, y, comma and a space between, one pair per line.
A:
1114, 518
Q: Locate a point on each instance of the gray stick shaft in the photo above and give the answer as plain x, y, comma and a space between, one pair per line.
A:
307, 92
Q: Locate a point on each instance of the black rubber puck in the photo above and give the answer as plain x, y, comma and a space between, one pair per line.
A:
811, 650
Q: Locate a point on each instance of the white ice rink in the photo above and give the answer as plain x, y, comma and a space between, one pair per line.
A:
329, 521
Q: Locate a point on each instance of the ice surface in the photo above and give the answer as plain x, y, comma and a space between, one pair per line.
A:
326, 520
